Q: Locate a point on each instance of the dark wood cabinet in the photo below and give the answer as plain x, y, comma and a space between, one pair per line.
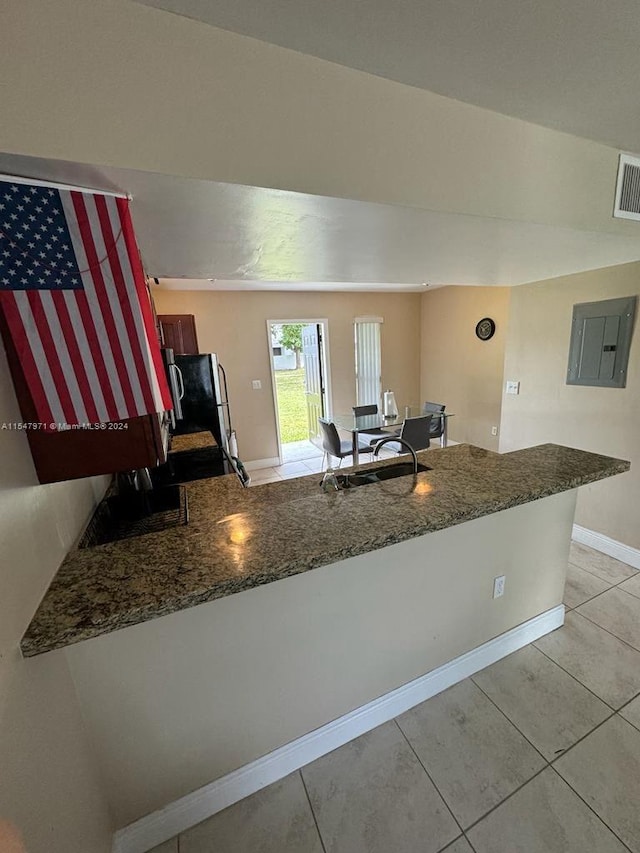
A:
179, 333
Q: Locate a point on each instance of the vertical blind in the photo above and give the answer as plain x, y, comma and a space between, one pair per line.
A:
368, 361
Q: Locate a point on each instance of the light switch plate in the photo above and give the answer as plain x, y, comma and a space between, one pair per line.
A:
256, 384
513, 387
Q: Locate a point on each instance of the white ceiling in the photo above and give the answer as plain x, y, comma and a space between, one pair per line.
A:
572, 65
190, 231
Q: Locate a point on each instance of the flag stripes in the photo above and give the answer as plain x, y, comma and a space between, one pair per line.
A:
89, 354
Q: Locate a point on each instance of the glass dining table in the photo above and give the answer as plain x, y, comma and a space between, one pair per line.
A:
368, 423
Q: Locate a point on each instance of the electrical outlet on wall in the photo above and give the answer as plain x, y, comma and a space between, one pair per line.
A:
512, 387
256, 384
494, 430
498, 586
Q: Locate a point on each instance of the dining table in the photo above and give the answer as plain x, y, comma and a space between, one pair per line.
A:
357, 424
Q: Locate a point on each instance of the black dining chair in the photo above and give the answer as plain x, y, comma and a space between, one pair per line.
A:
374, 434
437, 423
415, 431
333, 445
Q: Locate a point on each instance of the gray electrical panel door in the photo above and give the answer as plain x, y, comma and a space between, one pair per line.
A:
600, 342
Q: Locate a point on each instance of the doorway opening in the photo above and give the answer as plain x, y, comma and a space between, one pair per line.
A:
299, 369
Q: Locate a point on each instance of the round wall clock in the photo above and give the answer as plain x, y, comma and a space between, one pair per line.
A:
485, 328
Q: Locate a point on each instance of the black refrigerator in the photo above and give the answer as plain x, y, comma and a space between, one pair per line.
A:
203, 405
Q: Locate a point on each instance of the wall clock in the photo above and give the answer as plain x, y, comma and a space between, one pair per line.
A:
485, 328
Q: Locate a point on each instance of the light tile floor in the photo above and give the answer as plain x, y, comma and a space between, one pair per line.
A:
539, 753
300, 458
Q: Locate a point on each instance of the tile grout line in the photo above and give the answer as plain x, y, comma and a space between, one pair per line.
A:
584, 737
575, 678
313, 814
505, 715
508, 797
582, 799
584, 615
564, 751
440, 794
626, 704
606, 580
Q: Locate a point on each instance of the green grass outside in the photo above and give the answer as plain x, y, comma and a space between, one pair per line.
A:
292, 408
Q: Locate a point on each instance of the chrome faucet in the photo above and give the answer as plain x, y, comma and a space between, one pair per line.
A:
400, 441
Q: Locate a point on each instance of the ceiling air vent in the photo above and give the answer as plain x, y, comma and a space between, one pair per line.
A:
627, 204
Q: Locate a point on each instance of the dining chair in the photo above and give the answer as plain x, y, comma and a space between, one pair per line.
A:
437, 423
333, 445
374, 434
415, 431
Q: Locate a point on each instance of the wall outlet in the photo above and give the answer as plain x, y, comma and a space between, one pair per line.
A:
513, 387
498, 586
256, 384
494, 430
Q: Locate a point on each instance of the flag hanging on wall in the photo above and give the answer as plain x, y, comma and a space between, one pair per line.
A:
73, 293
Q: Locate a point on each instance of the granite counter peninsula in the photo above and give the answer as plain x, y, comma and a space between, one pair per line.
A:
278, 609
238, 538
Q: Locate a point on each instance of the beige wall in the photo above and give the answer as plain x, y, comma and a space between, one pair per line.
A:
234, 325
602, 420
177, 702
49, 784
114, 82
458, 369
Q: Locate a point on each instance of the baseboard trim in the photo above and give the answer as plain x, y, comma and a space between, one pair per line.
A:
607, 545
262, 463
160, 826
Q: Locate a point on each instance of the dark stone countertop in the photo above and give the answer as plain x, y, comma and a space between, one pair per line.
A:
241, 538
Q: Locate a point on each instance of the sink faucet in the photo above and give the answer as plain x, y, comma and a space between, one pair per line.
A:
400, 441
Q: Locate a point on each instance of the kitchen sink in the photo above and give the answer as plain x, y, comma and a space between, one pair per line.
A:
378, 475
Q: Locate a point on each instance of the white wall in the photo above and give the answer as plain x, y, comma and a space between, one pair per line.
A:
180, 701
114, 82
49, 783
602, 420
456, 367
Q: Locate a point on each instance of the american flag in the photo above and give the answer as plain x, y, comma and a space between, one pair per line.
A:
73, 293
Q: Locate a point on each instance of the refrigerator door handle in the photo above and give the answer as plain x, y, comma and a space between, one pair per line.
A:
179, 372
